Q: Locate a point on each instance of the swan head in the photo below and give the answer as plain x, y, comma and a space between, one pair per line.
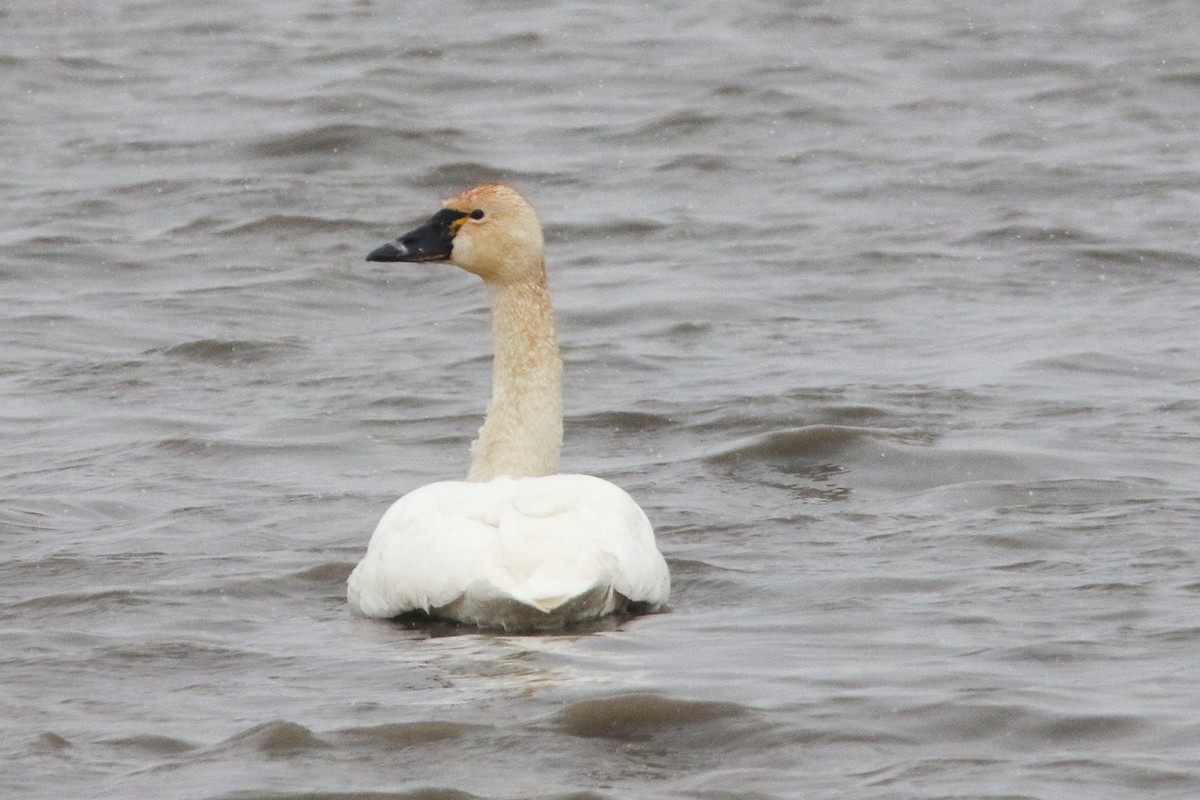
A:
490, 230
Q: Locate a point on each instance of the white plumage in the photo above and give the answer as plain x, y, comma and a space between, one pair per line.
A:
514, 546
511, 553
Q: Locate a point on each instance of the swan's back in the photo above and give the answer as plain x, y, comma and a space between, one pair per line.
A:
521, 553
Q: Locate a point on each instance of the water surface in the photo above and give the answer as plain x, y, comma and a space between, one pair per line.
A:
886, 316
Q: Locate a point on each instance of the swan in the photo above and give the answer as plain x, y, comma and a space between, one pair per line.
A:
515, 546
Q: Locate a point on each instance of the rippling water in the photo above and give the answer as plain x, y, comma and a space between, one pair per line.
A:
886, 314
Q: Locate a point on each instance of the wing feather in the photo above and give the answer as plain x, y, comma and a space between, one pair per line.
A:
542, 542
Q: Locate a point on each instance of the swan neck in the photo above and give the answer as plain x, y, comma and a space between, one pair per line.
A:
522, 434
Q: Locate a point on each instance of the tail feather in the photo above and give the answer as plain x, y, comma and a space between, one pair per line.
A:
549, 595
485, 603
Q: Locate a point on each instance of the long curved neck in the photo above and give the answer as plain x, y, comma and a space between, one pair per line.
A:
522, 435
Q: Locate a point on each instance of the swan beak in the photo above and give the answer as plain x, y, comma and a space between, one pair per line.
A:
433, 241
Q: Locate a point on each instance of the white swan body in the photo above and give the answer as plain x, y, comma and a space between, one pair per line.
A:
514, 546
513, 553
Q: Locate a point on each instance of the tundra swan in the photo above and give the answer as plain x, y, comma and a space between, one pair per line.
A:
514, 546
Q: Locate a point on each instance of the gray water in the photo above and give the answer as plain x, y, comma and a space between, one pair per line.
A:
886, 313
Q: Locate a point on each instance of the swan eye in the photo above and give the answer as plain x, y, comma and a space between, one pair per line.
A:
477, 214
